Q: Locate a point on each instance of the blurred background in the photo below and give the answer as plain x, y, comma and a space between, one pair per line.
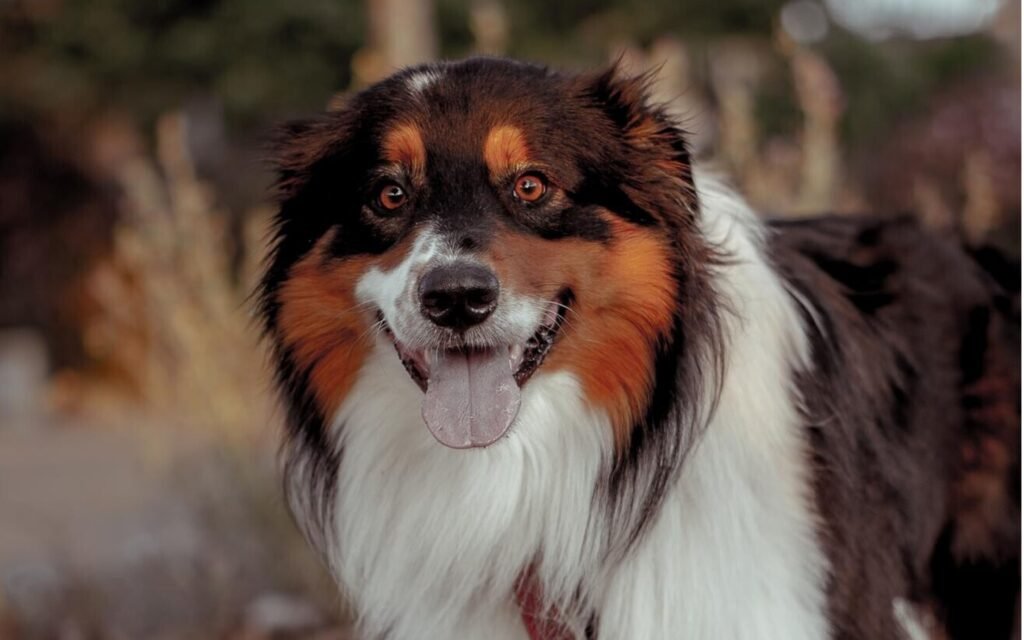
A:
138, 494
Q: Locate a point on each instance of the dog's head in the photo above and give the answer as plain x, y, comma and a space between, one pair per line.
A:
485, 219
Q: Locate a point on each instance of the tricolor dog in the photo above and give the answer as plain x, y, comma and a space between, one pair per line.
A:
546, 379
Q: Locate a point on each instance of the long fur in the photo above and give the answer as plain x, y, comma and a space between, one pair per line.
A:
821, 441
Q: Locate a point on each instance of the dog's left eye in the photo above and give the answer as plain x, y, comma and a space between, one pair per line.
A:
391, 196
530, 187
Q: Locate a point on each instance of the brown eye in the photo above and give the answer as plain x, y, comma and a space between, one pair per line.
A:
391, 196
530, 187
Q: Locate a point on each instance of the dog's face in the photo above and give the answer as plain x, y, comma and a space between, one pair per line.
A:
483, 220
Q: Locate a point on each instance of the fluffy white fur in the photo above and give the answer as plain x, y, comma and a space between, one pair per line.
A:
734, 553
428, 541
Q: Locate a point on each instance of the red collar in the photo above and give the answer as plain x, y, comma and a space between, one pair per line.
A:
540, 624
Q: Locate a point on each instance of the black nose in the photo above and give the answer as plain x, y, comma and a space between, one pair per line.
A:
458, 295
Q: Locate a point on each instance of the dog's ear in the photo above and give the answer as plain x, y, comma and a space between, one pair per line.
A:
626, 100
624, 97
655, 142
311, 159
299, 146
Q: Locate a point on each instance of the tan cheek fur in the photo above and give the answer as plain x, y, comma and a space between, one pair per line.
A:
625, 301
328, 333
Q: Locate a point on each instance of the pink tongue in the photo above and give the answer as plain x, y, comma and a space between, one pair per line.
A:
471, 398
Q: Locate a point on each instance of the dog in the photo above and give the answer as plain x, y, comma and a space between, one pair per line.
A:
545, 378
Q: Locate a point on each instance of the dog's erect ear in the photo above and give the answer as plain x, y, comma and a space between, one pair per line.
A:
657, 143
626, 100
312, 159
300, 145
622, 96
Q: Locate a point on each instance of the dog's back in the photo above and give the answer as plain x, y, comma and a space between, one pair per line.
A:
914, 421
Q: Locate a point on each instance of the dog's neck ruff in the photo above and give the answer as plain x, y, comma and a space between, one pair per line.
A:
511, 541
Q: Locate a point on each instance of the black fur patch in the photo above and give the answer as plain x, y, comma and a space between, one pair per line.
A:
899, 322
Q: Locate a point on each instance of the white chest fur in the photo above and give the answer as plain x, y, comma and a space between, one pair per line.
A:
429, 538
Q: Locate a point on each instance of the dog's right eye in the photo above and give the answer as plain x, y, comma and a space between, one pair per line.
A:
530, 187
391, 197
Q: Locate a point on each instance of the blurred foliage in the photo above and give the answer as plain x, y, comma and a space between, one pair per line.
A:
261, 58
885, 83
580, 30
255, 56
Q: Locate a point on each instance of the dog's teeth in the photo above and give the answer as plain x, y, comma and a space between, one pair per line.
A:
515, 356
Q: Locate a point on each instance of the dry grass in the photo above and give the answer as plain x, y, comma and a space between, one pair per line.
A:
179, 351
175, 320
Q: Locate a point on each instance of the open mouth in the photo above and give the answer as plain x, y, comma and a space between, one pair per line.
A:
471, 394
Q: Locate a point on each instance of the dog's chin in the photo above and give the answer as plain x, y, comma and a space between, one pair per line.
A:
472, 392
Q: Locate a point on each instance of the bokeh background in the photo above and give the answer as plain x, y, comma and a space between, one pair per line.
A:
138, 494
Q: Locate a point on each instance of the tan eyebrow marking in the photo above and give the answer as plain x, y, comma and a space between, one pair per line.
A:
404, 145
504, 149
